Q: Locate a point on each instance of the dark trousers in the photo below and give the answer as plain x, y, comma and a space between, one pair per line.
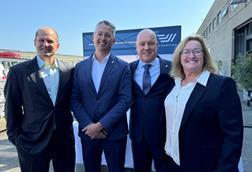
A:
62, 155
144, 153
173, 167
114, 151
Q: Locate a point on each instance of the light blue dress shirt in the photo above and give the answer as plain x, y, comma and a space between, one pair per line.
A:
97, 70
50, 77
154, 72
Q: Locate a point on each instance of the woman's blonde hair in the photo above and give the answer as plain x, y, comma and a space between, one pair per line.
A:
177, 69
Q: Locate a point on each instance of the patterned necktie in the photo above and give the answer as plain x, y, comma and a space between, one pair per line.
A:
146, 79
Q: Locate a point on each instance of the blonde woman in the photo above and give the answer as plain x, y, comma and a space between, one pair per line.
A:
204, 127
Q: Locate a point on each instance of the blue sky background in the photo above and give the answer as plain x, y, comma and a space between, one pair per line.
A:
21, 18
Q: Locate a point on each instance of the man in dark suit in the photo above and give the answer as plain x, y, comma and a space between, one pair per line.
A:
101, 96
37, 108
147, 119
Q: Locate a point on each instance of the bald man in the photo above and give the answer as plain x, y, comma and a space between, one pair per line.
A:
39, 121
151, 83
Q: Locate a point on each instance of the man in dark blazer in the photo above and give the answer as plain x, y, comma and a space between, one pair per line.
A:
101, 95
37, 108
147, 118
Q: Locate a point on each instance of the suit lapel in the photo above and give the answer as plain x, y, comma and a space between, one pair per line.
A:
164, 71
133, 67
194, 98
37, 79
63, 78
107, 71
164, 68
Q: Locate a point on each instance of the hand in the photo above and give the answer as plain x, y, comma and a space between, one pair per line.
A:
101, 135
95, 131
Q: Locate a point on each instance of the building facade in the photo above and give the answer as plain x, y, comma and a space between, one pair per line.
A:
227, 29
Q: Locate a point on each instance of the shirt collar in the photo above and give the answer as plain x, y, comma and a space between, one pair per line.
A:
41, 62
153, 63
202, 79
103, 61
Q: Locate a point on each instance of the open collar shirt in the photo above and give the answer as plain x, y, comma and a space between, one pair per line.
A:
50, 77
97, 70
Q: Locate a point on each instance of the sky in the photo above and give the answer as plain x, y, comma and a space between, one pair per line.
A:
20, 19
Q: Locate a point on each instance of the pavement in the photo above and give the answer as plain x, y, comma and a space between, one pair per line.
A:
247, 138
9, 160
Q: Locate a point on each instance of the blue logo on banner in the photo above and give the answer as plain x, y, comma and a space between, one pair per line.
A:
168, 39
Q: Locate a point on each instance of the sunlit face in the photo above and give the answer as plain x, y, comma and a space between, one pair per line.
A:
46, 43
192, 57
103, 38
146, 46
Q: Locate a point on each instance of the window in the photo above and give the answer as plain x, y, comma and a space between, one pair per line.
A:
214, 23
203, 34
249, 46
249, 28
233, 7
218, 18
235, 2
239, 42
243, 39
224, 12
206, 31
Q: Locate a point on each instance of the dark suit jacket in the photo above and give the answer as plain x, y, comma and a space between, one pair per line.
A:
30, 113
147, 118
110, 104
211, 131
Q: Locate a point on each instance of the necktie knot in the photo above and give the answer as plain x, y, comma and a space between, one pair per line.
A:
146, 79
147, 66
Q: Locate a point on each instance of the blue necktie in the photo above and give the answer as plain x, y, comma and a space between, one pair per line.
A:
146, 79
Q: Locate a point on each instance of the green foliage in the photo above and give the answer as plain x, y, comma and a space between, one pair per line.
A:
242, 71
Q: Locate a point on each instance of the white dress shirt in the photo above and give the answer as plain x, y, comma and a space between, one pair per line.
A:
175, 104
